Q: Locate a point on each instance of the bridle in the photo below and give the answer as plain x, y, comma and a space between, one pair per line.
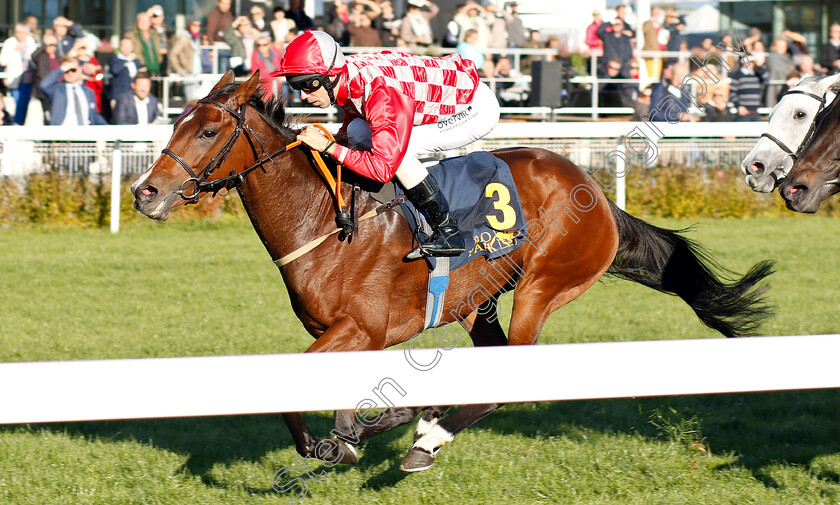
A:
782, 146
199, 180
345, 224
821, 99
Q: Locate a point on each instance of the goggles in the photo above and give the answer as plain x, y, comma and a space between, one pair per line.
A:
306, 83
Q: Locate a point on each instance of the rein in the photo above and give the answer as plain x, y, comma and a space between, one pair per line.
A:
199, 180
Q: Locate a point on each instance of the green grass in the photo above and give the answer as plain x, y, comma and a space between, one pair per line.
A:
209, 288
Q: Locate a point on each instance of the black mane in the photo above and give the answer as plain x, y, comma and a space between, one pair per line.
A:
272, 109
274, 112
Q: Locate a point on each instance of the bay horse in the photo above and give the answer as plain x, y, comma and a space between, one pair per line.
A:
815, 176
362, 295
791, 122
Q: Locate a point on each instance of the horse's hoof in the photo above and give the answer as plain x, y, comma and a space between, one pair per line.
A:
349, 454
417, 460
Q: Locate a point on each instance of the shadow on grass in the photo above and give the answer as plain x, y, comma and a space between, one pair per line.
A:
208, 441
760, 428
791, 427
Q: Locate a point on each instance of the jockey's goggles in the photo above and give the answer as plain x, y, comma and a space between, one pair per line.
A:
306, 83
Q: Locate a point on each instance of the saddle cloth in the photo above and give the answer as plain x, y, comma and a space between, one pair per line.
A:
483, 200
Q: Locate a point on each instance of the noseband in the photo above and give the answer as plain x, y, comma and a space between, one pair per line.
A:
781, 144
233, 180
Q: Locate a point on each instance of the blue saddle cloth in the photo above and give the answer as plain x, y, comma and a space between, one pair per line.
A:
483, 200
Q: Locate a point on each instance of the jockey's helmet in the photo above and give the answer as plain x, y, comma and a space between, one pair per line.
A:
310, 60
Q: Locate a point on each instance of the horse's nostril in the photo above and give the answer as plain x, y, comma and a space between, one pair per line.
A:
798, 191
146, 193
757, 168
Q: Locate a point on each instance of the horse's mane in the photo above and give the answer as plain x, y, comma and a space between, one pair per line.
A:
272, 109
808, 79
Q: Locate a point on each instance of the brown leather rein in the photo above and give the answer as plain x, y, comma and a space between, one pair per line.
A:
344, 223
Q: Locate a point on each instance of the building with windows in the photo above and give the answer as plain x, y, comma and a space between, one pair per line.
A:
810, 18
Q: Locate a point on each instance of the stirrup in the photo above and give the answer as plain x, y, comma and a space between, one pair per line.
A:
439, 244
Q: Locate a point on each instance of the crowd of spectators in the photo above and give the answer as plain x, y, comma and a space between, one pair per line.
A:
63, 75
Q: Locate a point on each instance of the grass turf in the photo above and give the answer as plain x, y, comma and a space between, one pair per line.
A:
207, 288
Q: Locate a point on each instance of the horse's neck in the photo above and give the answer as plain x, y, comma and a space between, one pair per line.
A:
288, 203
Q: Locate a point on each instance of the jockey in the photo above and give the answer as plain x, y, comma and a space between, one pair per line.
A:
397, 106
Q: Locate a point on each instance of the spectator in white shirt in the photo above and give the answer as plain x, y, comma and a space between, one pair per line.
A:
16, 56
258, 20
139, 107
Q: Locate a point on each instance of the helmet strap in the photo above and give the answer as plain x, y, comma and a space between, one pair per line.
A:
328, 84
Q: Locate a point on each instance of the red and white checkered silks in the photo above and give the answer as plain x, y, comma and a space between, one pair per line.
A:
439, 87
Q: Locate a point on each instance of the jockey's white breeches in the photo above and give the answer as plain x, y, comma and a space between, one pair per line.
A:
450, 132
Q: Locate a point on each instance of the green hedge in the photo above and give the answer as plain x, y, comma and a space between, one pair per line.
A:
672, 192
85, 202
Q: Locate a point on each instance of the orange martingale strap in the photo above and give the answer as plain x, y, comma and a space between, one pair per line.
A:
335, 183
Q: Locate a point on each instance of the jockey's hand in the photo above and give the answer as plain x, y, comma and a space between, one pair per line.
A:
313, 137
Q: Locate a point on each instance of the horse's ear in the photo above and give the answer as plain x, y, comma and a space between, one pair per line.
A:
224, 81
245, 90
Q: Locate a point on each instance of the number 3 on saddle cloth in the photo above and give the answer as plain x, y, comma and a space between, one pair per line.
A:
483, 200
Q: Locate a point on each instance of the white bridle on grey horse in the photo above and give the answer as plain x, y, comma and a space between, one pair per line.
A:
791, 124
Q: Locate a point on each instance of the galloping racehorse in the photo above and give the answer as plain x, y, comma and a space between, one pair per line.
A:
362, 295
815, 175
791, 122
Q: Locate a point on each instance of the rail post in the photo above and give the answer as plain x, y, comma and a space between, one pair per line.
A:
621, 176
116, 176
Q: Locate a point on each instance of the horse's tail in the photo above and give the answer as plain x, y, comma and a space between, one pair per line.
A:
667, 261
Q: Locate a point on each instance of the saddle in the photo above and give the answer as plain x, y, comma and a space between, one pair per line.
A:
483, 200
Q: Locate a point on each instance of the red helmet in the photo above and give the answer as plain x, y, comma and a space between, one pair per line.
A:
312, 52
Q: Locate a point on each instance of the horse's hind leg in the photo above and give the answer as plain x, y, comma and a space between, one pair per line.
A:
483, 333
350, 431
485, 330
422, 454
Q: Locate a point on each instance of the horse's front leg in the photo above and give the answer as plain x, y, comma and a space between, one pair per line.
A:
305, 441
344, 335
348, 429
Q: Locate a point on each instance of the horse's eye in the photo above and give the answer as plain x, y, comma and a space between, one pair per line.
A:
799, 115
208, 134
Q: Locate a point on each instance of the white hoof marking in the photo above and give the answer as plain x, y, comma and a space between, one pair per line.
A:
424, 426
436, 438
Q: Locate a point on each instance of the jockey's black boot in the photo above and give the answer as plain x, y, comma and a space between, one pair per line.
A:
446, 240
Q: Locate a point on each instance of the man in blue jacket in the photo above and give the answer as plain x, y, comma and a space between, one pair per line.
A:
71, 102
123, 66
671, 98
66, 32
137, 106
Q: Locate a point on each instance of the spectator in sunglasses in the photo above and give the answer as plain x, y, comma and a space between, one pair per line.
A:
266, 59
72, 103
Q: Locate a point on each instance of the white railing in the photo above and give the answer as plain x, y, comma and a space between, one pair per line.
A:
128, 150
66, 391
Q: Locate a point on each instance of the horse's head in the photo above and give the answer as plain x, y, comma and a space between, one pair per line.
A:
201, 142
791, 120
814, 176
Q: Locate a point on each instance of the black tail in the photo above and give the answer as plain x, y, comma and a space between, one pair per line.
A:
666, 261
